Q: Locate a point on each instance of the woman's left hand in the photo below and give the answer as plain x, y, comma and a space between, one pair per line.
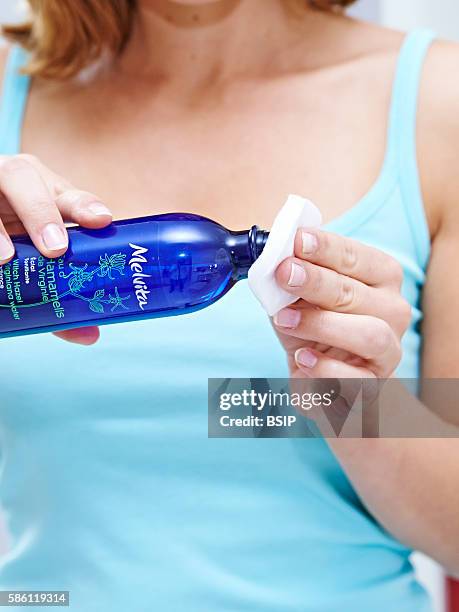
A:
350, 316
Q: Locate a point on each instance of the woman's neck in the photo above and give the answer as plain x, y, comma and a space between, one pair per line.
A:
201, 44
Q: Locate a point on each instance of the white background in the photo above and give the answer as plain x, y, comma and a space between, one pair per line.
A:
9, 9
440, 15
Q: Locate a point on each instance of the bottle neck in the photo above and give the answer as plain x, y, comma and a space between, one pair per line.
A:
245, 248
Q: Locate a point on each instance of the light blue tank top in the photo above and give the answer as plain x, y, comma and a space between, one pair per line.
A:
111, 487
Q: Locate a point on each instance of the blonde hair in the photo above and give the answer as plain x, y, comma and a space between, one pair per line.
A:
65, 36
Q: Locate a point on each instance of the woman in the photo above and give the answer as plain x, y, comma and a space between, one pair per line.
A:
110, 485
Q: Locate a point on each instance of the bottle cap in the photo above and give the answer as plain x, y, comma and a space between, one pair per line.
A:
296, 212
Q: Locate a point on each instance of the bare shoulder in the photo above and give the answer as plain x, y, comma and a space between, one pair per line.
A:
440, 70
376, 49
439, 96
4, 51
438, 132
350, 42
438, 115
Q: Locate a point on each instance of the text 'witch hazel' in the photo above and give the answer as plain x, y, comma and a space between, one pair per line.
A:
148, 267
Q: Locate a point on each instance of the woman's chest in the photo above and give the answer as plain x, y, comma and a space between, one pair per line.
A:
234, 161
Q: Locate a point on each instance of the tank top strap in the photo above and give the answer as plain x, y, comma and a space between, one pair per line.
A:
402, 133
13, 102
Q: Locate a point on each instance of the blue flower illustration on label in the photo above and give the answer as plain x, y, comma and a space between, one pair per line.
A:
79, 276
113, 262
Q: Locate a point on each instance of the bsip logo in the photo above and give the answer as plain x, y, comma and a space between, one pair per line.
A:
136, 263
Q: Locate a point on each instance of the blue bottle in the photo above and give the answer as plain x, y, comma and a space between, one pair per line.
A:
146, 267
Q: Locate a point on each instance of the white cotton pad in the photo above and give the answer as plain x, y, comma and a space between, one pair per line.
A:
296, 212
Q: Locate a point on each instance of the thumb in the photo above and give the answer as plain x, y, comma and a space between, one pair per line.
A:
83, 335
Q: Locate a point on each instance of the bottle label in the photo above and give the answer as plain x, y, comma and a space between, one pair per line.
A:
85, 284
136, 263
131, 269
55, 283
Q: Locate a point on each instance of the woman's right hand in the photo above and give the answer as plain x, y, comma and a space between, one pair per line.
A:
36, 201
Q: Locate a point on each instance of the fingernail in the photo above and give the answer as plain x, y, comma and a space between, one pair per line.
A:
99, 209
305, 358
309, 243
54, 237
297, 276
288, 318
6, 248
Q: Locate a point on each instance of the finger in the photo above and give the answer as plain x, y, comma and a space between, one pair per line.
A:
316, 365
76, 205
369, 338
83, 208
29, 197
332, 291
344, 398
84, 335
6, 246
348, 257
